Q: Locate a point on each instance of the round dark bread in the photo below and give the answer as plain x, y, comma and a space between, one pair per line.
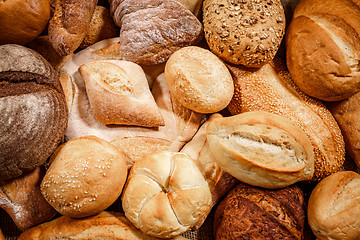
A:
33, 110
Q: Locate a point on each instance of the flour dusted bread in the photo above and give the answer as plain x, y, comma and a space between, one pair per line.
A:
333, 208
261, 149
86, 175
166, 194
33, 110
119, 93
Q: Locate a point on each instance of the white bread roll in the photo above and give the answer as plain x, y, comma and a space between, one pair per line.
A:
199, 80
166, 194
334, 209
262, 149
86, 175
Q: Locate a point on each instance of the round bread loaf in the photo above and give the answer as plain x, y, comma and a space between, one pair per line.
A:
22, 20
261, 148
166, 194
333, 208
33, 110
248, 212
199, 80
244, 32
86, 175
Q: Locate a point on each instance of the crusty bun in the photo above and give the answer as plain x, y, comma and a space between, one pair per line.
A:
86, 175
193, 5
333, 208
248, 212
22, 20
272, 89
261, 148
244, 32
33, 110
105, 225
199, 80
166, 194
323, 48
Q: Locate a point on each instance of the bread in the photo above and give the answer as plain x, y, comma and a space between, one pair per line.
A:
166, 194
105, 225
180, 123
262, 149
101, 27
22, 21
347, 113
248, 212
33, 110
272, 89
333, 209
194, 6
199, 80
220, 182
1, 235
151, 30
82, 174
21, 198
68, 27
323, 48
244, 32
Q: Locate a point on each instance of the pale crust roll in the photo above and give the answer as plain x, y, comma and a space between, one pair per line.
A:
333, 208
272, 89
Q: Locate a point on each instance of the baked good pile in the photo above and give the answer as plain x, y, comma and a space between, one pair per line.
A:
239, 113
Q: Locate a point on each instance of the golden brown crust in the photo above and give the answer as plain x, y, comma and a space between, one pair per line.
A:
272, 89
1, 235
248, 212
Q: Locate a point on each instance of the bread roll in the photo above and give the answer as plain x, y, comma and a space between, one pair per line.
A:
151, 30
193, 5
333, 209
262, 149
105, 225
199, 80
244, 32
33, 110
166, 194
323, 48
86, 175
21, 198
22, 20
272, 89
248, 212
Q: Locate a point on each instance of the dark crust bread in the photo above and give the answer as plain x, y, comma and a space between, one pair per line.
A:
248, 212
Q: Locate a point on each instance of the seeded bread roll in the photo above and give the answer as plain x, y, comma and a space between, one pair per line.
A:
199, 80
244, 32
333, 208
33, 110
272, 89
248, 212
86, 175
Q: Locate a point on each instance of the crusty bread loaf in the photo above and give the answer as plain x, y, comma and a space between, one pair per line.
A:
86, 175
248, 212
21, 198
166, 194
272, 89
244, 32
67, 28
22, 20
33, 110
333, 208
105, 225
261, 148
199, 80
323, 48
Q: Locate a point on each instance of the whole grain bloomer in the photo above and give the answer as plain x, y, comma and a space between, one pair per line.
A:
262, 149
86, 175
199, 80
166, 194
244, 32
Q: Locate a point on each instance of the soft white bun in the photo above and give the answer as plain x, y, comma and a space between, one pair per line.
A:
166, 194
262, 149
